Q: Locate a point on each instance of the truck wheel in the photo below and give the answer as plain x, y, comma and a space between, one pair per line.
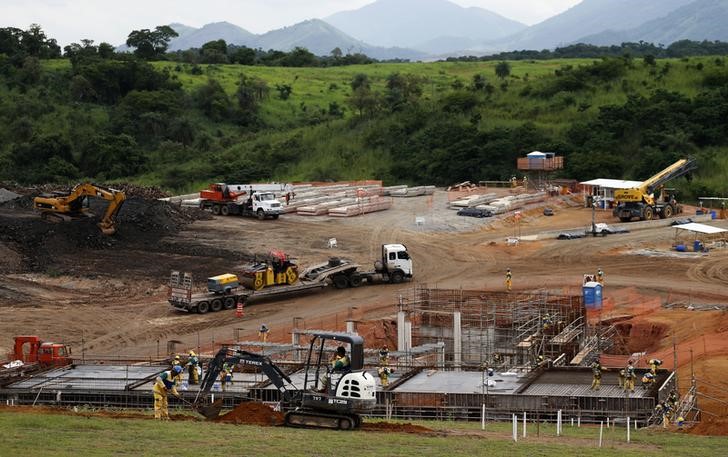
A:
340, 282
216, 209
261, 214
648, 214
216, 305
355, 280
396, 277
229, 303
203, 307
667, 212
225, 210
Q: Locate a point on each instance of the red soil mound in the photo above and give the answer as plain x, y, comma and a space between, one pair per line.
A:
252, 413
715, 427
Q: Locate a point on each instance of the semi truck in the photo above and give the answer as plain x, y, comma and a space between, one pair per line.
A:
250, 200
394, 267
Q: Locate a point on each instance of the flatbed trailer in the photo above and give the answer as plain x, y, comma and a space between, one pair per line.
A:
338, 272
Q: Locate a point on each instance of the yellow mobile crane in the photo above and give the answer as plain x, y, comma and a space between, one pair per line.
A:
641, 202
59, 207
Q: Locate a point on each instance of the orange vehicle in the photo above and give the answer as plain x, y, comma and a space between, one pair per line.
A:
30, 349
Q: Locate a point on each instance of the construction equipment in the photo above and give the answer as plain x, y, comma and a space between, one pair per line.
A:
222, 284
224, 199
32, 350
278, 269
58, 207
327, 398
30, 356
394, 267
641, 203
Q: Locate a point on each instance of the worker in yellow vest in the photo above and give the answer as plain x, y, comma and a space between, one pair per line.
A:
166, 382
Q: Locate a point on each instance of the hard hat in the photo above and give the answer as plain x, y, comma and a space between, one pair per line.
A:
177, 369
192, 353
176, 357
263, 328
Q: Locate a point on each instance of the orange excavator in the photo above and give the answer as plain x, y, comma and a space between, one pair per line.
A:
58, 207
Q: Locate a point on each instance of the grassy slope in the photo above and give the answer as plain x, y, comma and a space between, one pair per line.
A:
57, 435
315, 88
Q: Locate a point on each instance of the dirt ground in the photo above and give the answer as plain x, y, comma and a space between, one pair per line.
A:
65, 282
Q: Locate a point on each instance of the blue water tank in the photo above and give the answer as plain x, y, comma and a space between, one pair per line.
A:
592, 295
681, 248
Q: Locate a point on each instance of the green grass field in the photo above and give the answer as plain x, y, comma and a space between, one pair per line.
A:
28, 433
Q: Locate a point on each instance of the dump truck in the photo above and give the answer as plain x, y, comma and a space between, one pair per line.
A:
251, 200
394, 267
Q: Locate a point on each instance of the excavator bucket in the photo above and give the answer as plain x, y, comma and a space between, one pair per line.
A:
211, 411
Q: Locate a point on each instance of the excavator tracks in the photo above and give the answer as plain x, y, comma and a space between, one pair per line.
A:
310, 419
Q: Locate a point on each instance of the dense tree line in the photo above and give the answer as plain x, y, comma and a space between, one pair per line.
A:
678, 49
219, 52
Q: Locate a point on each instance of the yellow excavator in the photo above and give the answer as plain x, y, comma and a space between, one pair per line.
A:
59, 207
641, 202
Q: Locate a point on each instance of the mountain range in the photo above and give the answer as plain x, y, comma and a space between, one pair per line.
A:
427, 29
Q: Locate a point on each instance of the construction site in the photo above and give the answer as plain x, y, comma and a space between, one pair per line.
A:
465, 341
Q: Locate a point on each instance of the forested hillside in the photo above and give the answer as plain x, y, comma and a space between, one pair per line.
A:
96, 114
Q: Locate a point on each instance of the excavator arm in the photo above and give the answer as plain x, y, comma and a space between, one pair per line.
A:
235, 357
70, 206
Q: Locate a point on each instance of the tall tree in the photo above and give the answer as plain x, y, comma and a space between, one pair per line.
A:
151, 44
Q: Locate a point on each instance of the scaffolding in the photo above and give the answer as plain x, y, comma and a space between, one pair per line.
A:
497, 329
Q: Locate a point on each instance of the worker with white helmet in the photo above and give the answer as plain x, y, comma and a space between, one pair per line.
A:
166, 381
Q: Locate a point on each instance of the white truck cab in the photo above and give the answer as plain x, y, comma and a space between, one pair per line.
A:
396, 261
266, 202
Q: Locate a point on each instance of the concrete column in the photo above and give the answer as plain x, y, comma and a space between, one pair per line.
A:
296, 341
457, 341
401, 317
441, 357
351, 326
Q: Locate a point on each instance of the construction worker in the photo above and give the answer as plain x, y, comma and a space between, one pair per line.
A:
340, 362
600, 276
263, 333
176, 361
509, 280
497, 359
629, 376
548, 321
226, 375
621, 378
166, 381
384, 371
597, 375
654, 365
193, 364
672, 399
647, 380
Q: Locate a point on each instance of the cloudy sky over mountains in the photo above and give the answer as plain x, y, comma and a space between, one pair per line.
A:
72, 20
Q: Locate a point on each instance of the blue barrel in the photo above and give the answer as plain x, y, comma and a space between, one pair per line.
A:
697, 246
681, 248
592, 294
713, 215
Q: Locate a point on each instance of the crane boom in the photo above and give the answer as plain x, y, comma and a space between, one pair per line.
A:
641, 202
